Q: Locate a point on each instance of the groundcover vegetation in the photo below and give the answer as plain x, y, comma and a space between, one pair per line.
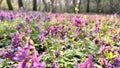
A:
52, 40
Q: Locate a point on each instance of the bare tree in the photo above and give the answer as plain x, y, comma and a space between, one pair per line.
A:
39, 6
34, 5
61, 5
88, 6
9, 5
52, 5
79, 6
74, 5
98, 5
20, 3
115, 6
1, 1
45, 4
67, 5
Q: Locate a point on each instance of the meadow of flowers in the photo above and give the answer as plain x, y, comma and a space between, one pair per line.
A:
46, 40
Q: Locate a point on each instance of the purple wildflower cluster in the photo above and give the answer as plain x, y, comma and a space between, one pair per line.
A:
25, 55
87, 64
65, 36
56, 31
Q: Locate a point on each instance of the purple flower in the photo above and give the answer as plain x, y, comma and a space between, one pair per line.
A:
28, 30
119, 51
102, 42
41, 36
37, 26
97, 24
69, 27
76, 66
10, 55
96, 41
55, 30
76, 32
116, 62
105, 63
114, 37
86, 23
1, 16
27, 45
36, 59
23, 64
42, 65
13, 66
2, 55
57, 53
77, 21
88, 63
48, 29
104, 48
85, 35
62, 32
108, 48
16, 40
47, 18
27, 19
101, 51
19, 26
96, 27
111, 30
54, 65
116, 24
11, 16
21, 54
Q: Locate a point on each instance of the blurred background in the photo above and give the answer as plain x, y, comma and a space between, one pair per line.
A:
63, 6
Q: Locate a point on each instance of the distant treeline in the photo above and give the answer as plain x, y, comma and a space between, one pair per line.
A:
63, 6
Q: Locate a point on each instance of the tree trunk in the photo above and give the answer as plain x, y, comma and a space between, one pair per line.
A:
88, 6
9, 5
79, 5
52, 4
20, 3
45, 4
74, 5
61, 6
67, 5
98, 5
39, 6
34, 5
1, 1
113, 6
